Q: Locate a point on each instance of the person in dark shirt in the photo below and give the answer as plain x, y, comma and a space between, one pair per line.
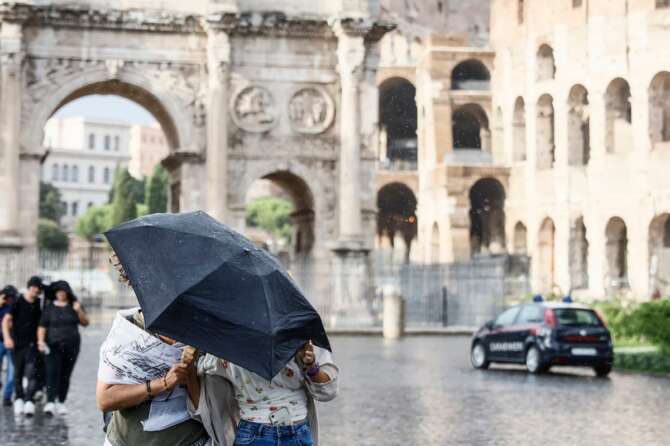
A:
8, 296
19, 330
58, 338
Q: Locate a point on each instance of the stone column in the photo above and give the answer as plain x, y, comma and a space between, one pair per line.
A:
218, 64
351, 58
11, 59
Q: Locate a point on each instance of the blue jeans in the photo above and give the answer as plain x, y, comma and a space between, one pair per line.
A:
255, 434
8, 389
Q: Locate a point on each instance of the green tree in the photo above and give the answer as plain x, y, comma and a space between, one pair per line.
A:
95, 221
50, 236
156, 192
125, 198
272, 214
51, 202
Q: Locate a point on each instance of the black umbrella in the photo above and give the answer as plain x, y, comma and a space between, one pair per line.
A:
202, 283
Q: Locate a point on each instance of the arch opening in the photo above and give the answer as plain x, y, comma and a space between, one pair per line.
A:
618, 117
659, 108
470, 74
546, 65
546, 156
397, 221
470, 128
579, 134
280, 216
616, 251
546, 255
398, 120
578, 254
520, 239
519, 129
487, 217
659, 254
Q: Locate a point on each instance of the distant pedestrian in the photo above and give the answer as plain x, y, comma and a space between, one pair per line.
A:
59, 340
19, 330
8, 296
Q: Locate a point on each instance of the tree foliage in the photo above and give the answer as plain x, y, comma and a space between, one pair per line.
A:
95, 221
50, 236
125, 198
156, 191
51, 203
272, 214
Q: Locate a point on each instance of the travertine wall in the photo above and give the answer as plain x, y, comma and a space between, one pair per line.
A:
624, 174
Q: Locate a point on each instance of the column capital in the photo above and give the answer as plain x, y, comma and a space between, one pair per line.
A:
350, 51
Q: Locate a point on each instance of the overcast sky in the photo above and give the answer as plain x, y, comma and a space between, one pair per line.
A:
107, 107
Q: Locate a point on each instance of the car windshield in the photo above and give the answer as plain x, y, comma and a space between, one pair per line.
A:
577, 316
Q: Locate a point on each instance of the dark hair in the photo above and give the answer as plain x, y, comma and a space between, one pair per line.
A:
60, 285
35, 281
11, 292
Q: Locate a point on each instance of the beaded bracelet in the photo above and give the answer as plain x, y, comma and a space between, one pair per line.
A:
148, 385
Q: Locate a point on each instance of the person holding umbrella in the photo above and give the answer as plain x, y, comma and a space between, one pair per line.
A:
59, 340
205, 285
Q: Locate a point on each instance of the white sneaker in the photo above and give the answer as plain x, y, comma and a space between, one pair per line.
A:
29, 409
18, 407
61, 409
49, 408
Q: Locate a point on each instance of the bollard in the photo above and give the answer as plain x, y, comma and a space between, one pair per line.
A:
394, 313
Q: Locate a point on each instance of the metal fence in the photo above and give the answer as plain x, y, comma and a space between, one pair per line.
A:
457, 294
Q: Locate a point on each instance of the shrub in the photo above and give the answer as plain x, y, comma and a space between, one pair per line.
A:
50, 236
651, 320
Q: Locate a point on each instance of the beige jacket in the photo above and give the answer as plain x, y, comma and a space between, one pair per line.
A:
218, 410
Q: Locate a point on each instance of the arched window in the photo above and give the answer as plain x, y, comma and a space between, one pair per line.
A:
579, 255
75, 174
396, 205
470, 128
487, 217
471, 74
519, 124
546, 66
91, 174
75, 208
54, 172
545, 133
617, 254
659, 108
398, 118
520, 11
579, 145
520, 239
66, 172
618, 117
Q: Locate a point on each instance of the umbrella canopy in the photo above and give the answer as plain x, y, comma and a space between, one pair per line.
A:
202, 283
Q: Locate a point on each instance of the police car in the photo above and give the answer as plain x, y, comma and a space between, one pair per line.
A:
541, 335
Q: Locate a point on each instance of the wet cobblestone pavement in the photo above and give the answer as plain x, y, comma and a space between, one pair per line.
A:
422, 391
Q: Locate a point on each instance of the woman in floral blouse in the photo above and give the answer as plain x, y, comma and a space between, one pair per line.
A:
239, 407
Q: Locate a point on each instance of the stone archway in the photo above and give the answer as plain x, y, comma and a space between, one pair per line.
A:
398, 121
470, 128
659, 253
487, 217
397, 204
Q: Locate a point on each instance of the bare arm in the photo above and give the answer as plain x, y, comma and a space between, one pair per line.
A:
7, 322
41, 337
81, 314
111, 397
193, 386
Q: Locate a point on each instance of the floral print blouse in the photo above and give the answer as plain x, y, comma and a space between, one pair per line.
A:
258, 397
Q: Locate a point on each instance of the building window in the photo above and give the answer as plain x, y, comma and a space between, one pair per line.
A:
108, 142
54, 172
105, 175
75, 208
546, 64
66, 172
663, 3
91, 141
117, 143
89, 205
440, 7
520, 11
576, 3
75, 174
91, 174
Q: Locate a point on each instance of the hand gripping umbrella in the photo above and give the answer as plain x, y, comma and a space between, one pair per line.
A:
204, 284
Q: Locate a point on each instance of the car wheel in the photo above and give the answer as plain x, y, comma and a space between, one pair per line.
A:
478, 356
534, 361
603, 370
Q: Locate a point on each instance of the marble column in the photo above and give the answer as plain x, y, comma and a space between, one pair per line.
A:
218, 64
11, 59
351, 58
